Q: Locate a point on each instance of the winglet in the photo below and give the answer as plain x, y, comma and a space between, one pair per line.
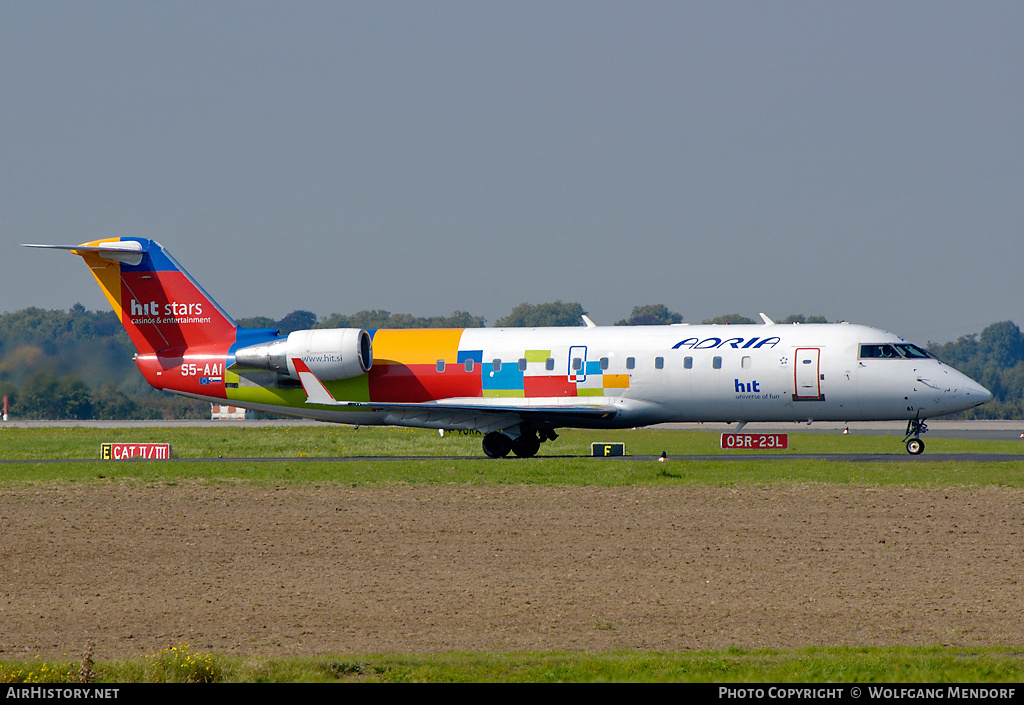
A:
767, 321
316, 392
586, 320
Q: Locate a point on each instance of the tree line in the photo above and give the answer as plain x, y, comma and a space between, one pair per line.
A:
995, 357
78, 364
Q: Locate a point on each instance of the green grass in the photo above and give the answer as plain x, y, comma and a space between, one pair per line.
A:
457, 459
337, 440
815, 665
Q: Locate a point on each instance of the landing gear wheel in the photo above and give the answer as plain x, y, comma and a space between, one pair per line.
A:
497, 445
915, 446
526, 446
915, 427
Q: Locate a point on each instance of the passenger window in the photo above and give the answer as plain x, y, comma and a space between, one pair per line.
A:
688, 363
522, 364
659, 363
717, 363
577, 364
440, 366
630, 363
604, 363
549, 364
469, 365
496, 365
745, 362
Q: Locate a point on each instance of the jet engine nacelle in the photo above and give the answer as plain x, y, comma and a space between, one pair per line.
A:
335, 353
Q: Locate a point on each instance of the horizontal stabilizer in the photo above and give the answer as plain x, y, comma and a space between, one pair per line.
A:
129, 252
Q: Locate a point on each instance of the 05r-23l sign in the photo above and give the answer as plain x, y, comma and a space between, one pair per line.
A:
755, 441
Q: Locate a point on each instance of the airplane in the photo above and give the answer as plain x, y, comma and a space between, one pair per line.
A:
516, 386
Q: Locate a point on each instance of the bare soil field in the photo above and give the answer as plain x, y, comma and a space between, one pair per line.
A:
303, 570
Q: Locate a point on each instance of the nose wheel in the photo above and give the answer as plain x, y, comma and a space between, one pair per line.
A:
915, 427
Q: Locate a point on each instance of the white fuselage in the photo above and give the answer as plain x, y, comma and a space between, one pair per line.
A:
733, 373
749, 372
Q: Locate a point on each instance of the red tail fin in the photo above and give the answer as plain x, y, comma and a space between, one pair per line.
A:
182, 336
160, 305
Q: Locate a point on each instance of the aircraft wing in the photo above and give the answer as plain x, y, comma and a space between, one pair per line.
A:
565, 412
482, 416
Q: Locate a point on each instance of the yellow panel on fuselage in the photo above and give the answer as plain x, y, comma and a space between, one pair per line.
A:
419, 346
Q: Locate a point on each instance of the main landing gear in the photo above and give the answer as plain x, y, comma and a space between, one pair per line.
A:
915, 427
525, 445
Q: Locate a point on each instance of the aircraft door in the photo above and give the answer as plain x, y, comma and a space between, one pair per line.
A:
807, 375
578, 363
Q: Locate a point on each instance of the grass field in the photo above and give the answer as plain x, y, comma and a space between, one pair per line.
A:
181, 663
456, 460
348, 441
428, 458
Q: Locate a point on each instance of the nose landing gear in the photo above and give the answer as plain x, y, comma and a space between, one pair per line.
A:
915, 427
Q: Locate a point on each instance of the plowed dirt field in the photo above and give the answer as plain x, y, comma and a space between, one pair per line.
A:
303, 570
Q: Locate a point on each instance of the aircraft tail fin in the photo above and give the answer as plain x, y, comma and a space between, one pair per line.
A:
160, 305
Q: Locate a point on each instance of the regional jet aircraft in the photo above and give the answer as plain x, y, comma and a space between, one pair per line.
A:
518, 385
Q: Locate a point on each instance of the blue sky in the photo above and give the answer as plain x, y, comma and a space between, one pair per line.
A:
863, 161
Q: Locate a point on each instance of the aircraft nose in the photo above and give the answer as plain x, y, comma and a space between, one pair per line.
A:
980, 393
974, 393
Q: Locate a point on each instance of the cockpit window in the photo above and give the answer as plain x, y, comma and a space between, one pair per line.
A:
913, 351
883, 350
893, 352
